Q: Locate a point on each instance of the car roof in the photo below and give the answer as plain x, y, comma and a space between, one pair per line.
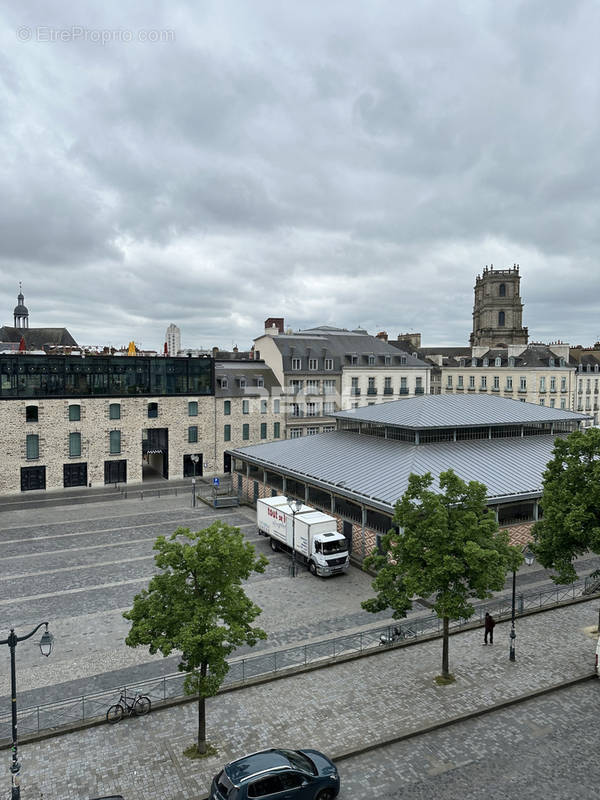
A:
255, 764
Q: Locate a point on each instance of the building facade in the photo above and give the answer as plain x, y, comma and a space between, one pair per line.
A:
173, 340
70, 421
325, 369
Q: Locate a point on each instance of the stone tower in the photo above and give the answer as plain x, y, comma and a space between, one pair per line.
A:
498, 310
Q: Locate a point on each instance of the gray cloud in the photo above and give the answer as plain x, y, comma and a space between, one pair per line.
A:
331, 163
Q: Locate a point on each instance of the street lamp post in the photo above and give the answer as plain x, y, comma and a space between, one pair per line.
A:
295, 506
195, 460
46, 649
529, 559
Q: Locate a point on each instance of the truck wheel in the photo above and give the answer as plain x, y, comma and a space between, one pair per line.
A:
274, 547
313, 568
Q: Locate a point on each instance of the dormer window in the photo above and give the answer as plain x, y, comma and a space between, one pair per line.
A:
562, 363
403, 360
595, 367
371, 360
296, 363
260, 380
242, 383
550, 362
498, 362
387, 360
473, 362
486, 362
588, 368
354, 360
224, 383
511, 361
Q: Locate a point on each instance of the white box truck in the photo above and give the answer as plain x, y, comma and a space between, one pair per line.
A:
313, 537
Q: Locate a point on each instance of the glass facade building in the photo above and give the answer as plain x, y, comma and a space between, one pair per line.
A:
108, 376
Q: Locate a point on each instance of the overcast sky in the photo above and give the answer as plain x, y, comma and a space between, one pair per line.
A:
345, 163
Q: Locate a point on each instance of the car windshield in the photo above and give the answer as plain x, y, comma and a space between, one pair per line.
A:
299, 761
336, 546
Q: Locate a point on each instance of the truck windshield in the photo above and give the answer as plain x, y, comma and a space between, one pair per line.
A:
335, 546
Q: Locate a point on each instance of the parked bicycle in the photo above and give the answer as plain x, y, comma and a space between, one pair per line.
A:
138, 705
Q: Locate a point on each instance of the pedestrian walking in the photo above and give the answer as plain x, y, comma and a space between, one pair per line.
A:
489, 624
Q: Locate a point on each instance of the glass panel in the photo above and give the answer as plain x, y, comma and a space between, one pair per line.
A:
227, 433
74, 444
193, 433
74, 413
115, 441
114, 411
33, 445
227, 407
193, 408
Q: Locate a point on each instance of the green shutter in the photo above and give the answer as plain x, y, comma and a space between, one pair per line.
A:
227, 408
114, 411
193, 433
227, 433
193, 408
115, 442
33, 445
74, 444
276, 430
263, 430
245, 431
74, 413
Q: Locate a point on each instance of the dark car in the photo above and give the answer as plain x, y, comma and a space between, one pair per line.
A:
301, 774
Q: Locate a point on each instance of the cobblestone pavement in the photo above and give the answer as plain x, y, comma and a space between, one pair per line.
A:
79, 566
336, 709
543, 748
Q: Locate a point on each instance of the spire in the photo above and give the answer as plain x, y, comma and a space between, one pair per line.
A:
21, 314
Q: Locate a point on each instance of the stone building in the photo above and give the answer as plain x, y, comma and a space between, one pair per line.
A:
498, 310
45, 339
173, 340
70, 420
327, 369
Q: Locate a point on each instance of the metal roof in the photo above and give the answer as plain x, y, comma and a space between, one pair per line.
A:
375, 471
457, 411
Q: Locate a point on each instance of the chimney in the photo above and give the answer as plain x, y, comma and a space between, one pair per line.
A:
382, 335
273, 326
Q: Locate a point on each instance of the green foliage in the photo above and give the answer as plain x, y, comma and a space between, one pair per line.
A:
571, 504
196, 604
448, 546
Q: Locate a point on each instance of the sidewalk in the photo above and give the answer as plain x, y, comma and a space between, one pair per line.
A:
337, 709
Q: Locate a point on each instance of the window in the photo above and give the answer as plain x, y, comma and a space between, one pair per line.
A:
496, 381
74, 444
31, 414
563, 384
227, 407
371, 388
542, 384
460, 382
245, 406
193, 433
295, 433
354, 360
552, 402
502, 290
354, 389
483, 382
227, 433
471, 381
542, 401
313, 363
193, 408
418, 385
580, 386
32, 444
296, 363
563, 402
329, 363
403, 385
260, 380
312, 386
152, 410
501, 319
449, 382
263, 406
553, 384
245, 431
296, 410
387, 385
296, 385
114, 411
387, 360
371, 360
498, 362
312, 409
276, 406
115, 442
242, 383
329, 408
224, 383
74, 413
265, 787
312, 431
329, 387
403, 360
276, 430
263, 430
509, 385
486, 362
473, 362
511, 361
523, 384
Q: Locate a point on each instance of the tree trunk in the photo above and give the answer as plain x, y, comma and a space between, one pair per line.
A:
202, 717
445, 641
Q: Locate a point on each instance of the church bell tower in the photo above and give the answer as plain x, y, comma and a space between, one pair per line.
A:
498, 310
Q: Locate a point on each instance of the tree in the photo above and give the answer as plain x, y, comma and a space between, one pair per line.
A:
448, 545
196, 605
570, 503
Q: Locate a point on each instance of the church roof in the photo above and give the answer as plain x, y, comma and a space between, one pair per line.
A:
37, 338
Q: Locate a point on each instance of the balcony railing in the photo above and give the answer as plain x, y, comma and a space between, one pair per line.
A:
419, 390
371, 390
404, 390
388, 390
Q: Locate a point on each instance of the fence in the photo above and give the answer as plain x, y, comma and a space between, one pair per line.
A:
52, 716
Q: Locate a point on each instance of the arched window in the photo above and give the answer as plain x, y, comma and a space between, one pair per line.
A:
498, 361
502, 290
501, 319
